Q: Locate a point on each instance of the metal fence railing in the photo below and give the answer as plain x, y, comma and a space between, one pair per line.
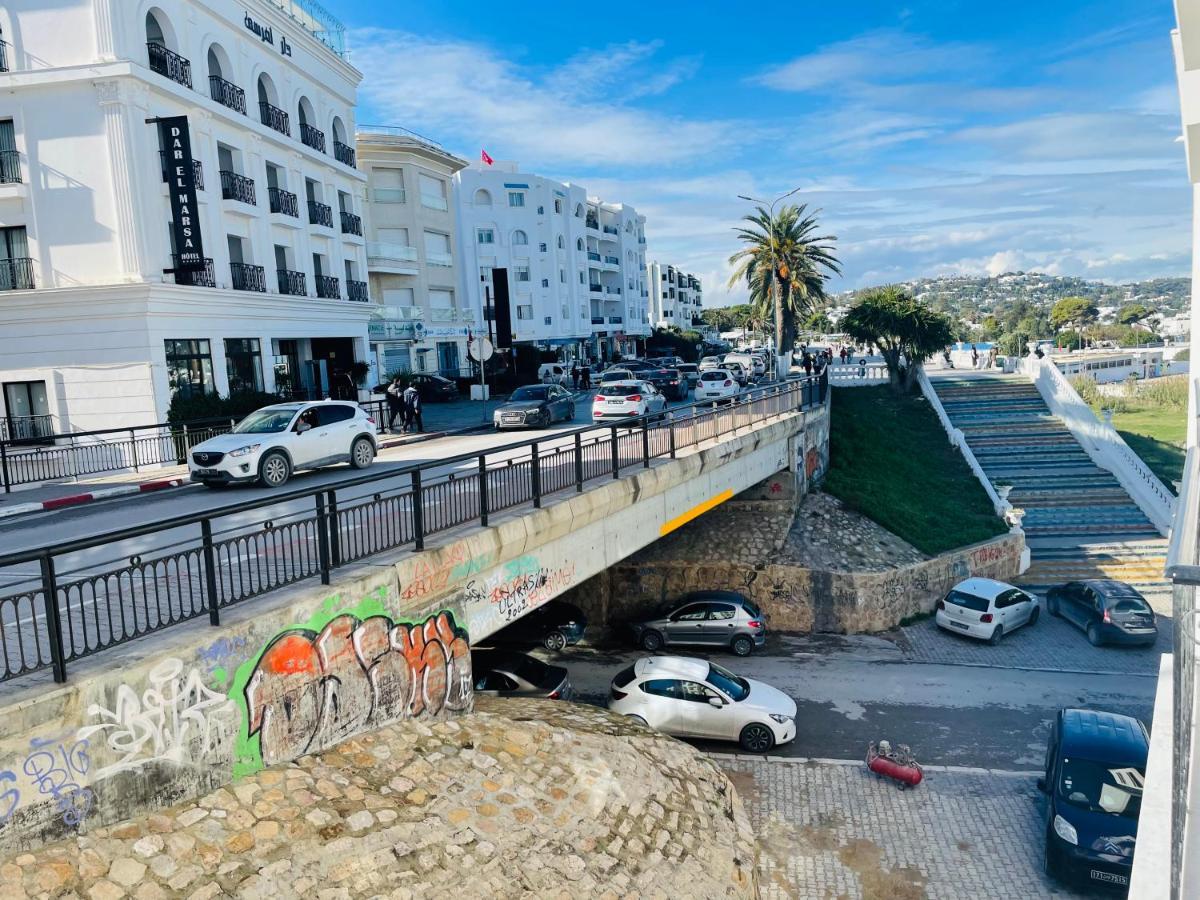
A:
196, 565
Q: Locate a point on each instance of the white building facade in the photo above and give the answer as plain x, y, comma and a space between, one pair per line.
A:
100, 323
675, 296
574, 265
421, 315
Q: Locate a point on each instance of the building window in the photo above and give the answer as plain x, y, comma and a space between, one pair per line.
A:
524, 312
521, 273
483, 198
562, 276
16, 267
561, 243
579, 244
189, 367
520, 238
388, 185
433, 192
10, 159
549, 320
558, 208
437, 249
545, 282
583, 278
243, 364
541, 248
516, 198
485, 235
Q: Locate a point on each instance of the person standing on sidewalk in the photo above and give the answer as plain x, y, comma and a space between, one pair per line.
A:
575, 377
395, 403
412, 409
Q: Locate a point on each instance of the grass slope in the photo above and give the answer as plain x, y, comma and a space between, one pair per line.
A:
890, 459
1158, 435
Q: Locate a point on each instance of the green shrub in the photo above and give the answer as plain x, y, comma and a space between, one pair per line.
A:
193, 407
1170, 391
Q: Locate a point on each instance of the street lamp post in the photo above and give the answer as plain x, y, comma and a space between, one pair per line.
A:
778, 308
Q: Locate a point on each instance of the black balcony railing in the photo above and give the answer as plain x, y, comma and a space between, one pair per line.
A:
16, 274
357, 291
197, 169
248, 278
292, 283
237, 187
596, 288
351, 224
205, 277
312, 137
343, 154
274, 117
320, 213
594, 256
327, 288
170, 64
10, 167
227, 93
3, 56
284, 202
597, 320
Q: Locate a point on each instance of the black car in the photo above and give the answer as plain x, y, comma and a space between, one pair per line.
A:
1110, 612
669, 382
501, 673
1095, 773
432, 388
554, 625
535, 405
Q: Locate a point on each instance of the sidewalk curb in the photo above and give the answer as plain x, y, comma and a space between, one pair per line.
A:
91, 496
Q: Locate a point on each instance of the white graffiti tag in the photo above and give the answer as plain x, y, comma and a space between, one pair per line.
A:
177, 718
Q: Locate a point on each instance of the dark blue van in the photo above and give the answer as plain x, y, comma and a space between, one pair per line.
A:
1095, 773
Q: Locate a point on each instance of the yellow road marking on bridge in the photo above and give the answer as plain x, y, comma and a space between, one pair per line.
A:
695, 511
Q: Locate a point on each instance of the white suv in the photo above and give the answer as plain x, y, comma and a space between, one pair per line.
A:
716, 384
272, 442
621, 399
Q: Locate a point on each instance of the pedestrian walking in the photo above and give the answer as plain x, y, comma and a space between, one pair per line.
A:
412, 409
587, 378
575, 378
974, 357
808, 366
395, 403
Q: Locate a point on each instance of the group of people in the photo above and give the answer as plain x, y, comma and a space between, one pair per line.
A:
404, 402
581, 378
815, 363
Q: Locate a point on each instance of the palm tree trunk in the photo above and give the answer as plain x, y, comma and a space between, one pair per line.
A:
783, 354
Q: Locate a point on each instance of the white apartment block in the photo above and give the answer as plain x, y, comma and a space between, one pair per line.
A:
100, 320
421, 317
575, 265
675, 296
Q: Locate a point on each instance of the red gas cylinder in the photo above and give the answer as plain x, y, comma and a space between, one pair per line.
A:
909, 775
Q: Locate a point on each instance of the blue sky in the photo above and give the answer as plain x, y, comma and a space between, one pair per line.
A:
936, 136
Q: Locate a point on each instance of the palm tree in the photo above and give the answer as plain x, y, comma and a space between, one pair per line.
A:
785, 265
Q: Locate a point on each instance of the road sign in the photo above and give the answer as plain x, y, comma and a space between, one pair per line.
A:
480, 349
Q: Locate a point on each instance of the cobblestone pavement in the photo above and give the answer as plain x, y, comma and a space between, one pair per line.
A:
523, 799
835, 831
1051, 643
827, 535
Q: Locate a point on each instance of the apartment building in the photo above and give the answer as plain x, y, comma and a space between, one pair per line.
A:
421, 318
180, 209
574, 265
676, 297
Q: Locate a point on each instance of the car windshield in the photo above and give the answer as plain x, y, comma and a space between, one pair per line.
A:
1101, 787
618, 390
271, 420
1129, 604
530, 393
615, 376
968, 601
526, 667
724, 680
687, 367
713, 376
624, 677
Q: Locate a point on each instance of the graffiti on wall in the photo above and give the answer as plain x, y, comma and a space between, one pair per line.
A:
989, 553
314, 685
54, 767
176, 718
517, 587
428, 576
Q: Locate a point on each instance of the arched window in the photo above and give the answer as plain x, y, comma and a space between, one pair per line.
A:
154, 29
214, 64
561, 243
310, 135
304, 111
268, 106
339, 130
266, 90
483, 198
579, 244
579, 210
520, 238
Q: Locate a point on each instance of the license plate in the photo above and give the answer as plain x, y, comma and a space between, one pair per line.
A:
509, 417
616, 402
206, 472
962, 625
1108, 877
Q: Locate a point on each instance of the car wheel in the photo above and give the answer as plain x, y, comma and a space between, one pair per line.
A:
639, 720
554, 641
1093, 634
651, 641
1033, 617
997, 634
274, 470
362, 453
756, 738
1049, 859
1052, 606
742, 645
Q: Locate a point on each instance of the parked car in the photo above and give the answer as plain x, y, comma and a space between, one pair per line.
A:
610, 375
668, 382
753, 365
699, 699
717, 384
555, 373
740, 373
622, 399
536, 406
1095, 774
666, 362
432, 388
986, 609
705, 619
1109, 612
711, 362
554, 625
273, 442
691, 372
503, 673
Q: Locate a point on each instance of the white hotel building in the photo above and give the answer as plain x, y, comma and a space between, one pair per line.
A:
96, 330
675, 296
575, 265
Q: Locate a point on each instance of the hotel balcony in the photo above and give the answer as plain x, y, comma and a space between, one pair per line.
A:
206, 277
284, 202
343, 153
248, 278
312, 137
197, 169
357, 291
274, 117
351, 224
320, 213
292, 283
327, 288
227, 93
237, 187
169, 64
16, 274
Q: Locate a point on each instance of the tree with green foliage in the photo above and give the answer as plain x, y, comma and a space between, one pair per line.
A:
819, 322
900, 326
1132, 313
1077, 312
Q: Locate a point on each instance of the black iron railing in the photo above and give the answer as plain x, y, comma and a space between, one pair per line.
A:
320, 213
274, 117
16, 274
291, 282
237, 187
205, 277
327, 287
169, 64
197, 169
284, 202
357, 291
248, 278
78, 605
17, 430
343, 153
3, 56
227, 93
351, 224
10, 167
312, 137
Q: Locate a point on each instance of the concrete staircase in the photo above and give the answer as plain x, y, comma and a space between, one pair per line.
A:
1079, 521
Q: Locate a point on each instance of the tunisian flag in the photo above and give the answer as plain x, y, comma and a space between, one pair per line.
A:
483, 154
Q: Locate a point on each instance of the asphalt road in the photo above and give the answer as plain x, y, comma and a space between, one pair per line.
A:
851, 690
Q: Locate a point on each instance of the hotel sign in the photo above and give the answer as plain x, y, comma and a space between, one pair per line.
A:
181, 180
266, 34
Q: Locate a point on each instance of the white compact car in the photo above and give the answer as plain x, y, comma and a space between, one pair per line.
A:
699, 699
716, 384
622, 399
710, 362
986, 609
273, 442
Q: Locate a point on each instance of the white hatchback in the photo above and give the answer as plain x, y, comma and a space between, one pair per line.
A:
622, 399
696, 698
273, 442
986, 609
716, 384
